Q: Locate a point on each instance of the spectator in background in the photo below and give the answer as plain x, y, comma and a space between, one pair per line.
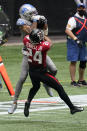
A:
76, 49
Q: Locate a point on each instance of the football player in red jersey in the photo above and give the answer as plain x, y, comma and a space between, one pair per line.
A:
37, 50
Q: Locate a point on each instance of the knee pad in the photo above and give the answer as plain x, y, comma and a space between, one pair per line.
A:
82, 64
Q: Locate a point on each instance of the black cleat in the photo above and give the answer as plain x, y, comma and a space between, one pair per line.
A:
76, 109
74, 83
82, 83
26, 109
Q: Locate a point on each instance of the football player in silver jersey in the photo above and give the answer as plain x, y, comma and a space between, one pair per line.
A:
29, 19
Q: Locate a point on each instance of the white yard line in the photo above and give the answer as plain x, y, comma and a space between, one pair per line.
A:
44, 104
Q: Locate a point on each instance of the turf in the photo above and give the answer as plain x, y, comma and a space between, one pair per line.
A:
53, 120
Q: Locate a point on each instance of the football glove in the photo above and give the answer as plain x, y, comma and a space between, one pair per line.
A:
41, 22
79, 42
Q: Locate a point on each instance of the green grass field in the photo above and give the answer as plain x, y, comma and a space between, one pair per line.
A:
51, 120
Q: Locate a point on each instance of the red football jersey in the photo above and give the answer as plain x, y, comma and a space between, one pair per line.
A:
36, 53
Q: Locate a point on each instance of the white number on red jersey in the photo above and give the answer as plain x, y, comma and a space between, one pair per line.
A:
37, 56
29, 54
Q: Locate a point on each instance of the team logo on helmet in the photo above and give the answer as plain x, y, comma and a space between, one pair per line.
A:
26, 11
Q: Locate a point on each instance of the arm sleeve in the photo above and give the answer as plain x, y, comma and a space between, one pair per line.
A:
71, 23
46, 46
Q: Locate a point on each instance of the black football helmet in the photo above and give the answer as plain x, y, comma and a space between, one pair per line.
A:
36, 36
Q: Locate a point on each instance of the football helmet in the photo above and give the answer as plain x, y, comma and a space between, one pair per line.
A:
36, 36
26, 11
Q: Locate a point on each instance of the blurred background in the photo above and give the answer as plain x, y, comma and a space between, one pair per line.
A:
56, 11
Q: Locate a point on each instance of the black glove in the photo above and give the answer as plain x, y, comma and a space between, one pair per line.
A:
79, 42
41, 22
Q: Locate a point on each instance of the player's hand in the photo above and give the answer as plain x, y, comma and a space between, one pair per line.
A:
79, 42
42, 23
43, 19
26, 28
38, 18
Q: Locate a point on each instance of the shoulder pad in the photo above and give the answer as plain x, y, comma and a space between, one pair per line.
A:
21, 21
